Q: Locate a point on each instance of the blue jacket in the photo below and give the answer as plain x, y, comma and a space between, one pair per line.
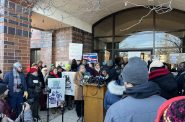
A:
113, 94
141, 105
9, 80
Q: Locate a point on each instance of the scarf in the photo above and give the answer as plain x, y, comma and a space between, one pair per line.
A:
53, 74
17, 80
157, 73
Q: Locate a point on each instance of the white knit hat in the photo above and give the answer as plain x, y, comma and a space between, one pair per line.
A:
156, 63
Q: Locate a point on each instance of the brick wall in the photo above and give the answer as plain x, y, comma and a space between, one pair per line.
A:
43, 41
80, 36
61, 40
15, 35
64, 36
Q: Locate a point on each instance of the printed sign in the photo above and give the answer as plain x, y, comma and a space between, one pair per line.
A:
75, 51
57, 95
69, 81
91, 57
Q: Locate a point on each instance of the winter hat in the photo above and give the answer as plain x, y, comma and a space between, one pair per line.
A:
175, 112
59, 67
68, 67
52, 65
3, 88
156, 64
135, 72
17, 65
32, 70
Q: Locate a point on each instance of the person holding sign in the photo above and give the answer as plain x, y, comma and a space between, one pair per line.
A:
34, 89
78, 80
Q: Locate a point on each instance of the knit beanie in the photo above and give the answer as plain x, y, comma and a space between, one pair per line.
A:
175, 112
135, 72
59, 67
32, 70
3, 88
68, 67
17, 65
156, 64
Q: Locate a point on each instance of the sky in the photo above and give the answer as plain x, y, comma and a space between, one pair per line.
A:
143, 40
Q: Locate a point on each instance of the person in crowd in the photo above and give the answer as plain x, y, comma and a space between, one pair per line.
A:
162, 76
172, 110
34, 90
59, 71
4, 107
52, 67
74, 66
142, 98
97, 69
104, 76
34, 65
5, 110
53, 74
67, 67
17, 87
69, 99
42, 100
1, 77
79, 92
116, 69
45, 73
180, 78
114, 93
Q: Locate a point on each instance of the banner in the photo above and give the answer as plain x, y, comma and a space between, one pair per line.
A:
91, 57
69, 81
57, 95
75, 51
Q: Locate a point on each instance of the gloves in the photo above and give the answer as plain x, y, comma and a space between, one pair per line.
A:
25, 94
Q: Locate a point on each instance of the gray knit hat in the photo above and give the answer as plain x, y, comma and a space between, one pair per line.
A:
135, 72
17, 65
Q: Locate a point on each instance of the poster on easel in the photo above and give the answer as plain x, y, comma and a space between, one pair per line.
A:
69, 81
57, 95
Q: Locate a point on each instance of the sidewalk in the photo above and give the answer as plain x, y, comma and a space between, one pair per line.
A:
69, 116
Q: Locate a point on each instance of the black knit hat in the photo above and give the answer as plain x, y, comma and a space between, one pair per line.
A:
3, 88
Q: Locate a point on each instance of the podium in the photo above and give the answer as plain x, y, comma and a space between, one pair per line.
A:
93, 103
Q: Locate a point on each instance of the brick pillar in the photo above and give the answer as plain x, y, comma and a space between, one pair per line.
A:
61, 40
14, 35
83, 37
64, 36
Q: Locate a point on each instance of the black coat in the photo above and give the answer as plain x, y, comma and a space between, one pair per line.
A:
41, 77
166, 82
180, 79
33, 88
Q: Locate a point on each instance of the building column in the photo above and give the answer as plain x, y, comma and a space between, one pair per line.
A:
15, 33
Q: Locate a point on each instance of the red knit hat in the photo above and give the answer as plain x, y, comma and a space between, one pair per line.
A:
32, 70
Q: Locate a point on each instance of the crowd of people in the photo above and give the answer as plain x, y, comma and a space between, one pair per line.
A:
146, 93
136, 91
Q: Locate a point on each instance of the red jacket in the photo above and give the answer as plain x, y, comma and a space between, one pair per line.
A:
165, 105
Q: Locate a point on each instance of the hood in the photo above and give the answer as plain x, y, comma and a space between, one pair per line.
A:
115, 89
158, 72
144, 90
